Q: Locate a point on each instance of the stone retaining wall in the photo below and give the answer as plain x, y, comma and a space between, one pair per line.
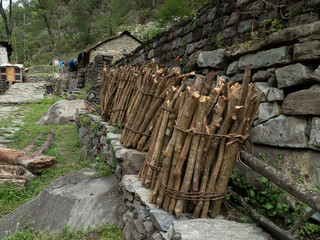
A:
281, 42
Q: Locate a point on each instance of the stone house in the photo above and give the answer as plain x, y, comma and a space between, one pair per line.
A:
117, 46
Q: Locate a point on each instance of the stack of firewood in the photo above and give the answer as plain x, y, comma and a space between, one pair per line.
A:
196, 142
154, 88
118, 88
18, 166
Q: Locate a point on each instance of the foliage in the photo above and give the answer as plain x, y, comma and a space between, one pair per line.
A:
273, 25
219, 40
105, 231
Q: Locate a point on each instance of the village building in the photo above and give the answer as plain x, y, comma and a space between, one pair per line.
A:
117, 46
9, 72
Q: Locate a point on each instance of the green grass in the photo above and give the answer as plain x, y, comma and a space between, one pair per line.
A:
104, 232
65, 148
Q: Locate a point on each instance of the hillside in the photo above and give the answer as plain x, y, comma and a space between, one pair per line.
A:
42, 29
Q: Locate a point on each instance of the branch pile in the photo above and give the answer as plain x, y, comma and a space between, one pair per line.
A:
196, 142
18, 166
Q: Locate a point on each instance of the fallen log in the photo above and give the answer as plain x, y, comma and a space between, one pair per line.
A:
35, 162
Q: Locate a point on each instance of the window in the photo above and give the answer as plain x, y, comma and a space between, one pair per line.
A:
3, 77
17, 77
3, 70
17, 70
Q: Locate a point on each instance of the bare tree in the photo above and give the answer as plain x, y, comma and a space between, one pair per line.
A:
7, 19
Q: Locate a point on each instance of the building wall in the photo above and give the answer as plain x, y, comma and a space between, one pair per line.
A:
3, 55
116, 47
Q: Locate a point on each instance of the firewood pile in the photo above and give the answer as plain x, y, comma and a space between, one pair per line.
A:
18, 166
196, 142
193, 135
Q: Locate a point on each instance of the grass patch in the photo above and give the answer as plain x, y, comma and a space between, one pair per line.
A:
66, 148
104, 232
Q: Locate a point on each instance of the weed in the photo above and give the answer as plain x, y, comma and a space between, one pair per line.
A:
219, 40
84, 120
274, 25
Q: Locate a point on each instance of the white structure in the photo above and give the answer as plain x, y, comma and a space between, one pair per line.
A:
3, 56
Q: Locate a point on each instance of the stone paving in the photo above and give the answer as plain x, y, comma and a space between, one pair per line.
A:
12, 110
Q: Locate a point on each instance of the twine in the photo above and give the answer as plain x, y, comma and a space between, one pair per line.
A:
234, 137
118, 110
153, 167
169, 110
149, 94
197, 196
135, 131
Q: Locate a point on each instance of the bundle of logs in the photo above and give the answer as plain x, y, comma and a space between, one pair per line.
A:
196, 142
18, 166
193, 135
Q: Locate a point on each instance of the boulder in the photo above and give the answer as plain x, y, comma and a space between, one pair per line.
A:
292, 34
130, 160
214, 59
306, 51
281, 131
267, 58
62, 112
268, 110
293, 75
303, 102
199, 229
314, 141
77, 200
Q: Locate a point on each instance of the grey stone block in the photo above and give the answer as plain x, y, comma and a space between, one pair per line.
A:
113, 136
212, 14
237, 78
151, 53
245, 25
275, 94
316, 74
162, 220
267, 58
314, 141
281, 131
262, 87
130, 160
303, 102
214, 59
233, 68
229, 32
190, 48
268, 110
306, 51
293, 75
261, 76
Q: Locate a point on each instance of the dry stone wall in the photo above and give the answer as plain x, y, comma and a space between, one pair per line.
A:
3, 86
281, 42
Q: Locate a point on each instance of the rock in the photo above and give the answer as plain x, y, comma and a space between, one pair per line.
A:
229, 32
237, 78
151, 53
303, 102
267, 58
233, 68
306, 51
302, 19
262, 87
190, 48
314, 141
62, 112
245, 25
261, 76
316, 74
240, 2
268, 110
291, 34
275, 94
162, 220
192, 62
214, 59
76, 200
199, 229
130, 160
113, 136
281, 131
212, 14
293, 75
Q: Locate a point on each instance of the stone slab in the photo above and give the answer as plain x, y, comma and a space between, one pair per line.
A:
267, 58
162, 220
303, 102
214, 59
306, 51
291, 34
281, 131
275, 94
76, 200
262, 87
200, 229
130, 160
268, 110
314, 141
232, 68
293, 75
